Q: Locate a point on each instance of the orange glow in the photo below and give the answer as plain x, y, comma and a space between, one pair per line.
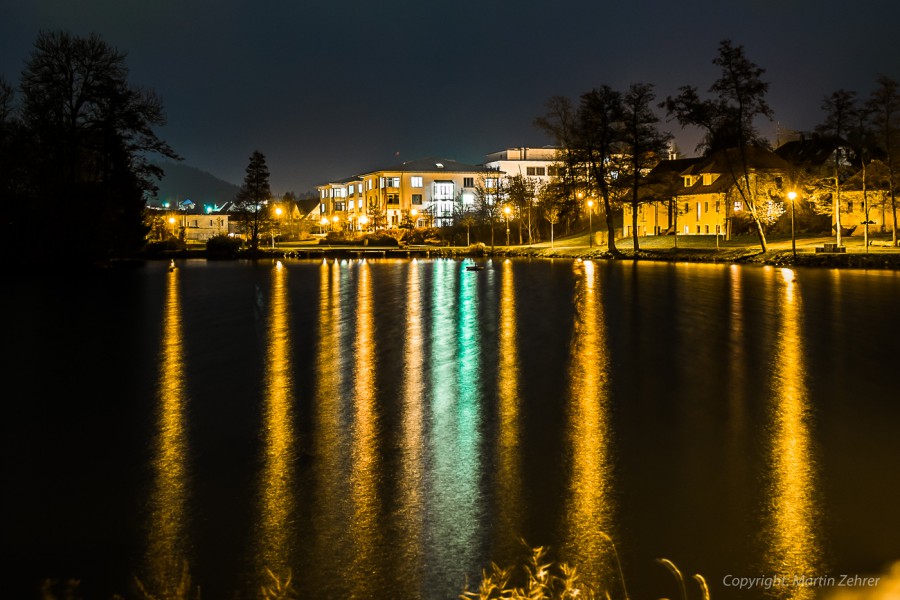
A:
794, 548
276, 486
167, 544
589, 507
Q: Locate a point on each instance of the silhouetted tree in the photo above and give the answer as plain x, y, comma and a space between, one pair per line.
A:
727, 119
90, 136
252, 197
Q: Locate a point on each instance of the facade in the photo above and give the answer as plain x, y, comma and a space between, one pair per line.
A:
194, 225
537, 163
703, 197
419, 192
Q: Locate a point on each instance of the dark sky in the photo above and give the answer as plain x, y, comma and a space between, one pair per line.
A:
328, 89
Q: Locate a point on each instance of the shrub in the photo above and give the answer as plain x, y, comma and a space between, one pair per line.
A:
164, 248
223, 246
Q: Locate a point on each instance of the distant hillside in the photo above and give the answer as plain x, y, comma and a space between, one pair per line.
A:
182, 182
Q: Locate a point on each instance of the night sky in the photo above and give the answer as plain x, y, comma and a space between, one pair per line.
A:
329, 89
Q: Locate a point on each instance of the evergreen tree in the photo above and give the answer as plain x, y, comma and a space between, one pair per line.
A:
252, 199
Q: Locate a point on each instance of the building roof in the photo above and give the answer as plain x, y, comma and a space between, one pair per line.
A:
432, 165
811, 151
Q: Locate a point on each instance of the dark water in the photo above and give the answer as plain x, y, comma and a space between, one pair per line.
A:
386, 429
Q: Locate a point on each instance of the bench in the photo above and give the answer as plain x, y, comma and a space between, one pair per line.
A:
831, 248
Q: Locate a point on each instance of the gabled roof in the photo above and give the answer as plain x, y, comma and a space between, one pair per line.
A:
810, 151
758, 159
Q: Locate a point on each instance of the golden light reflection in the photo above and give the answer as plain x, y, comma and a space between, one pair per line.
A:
590, 508
329, 440
167, 546
794, 548
276, 493
737, 375
508, 450
365, 467
412, 468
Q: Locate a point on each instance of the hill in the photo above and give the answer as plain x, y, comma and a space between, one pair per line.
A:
182, 182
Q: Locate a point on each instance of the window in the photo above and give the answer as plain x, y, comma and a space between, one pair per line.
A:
698, 229
535, 171
468, 182
698, 216
368, 184
417, 199
706, 207
490, 182
717, 206
687, 207
707, 229
738, 206
416, 181
393, 198
707, 179
555, 171
352, 204
688, 181
718, 230
850, 206
339, 206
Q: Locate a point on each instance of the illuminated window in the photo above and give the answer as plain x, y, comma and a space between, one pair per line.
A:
490, 182
738, 206
368, 184
416, 181
698, 216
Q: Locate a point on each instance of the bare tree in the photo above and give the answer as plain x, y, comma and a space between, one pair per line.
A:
728, 118
885, 107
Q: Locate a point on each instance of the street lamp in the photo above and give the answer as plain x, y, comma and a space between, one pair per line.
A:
590, 204
791, 195
335, 220
506, 211
278, 221
323, 223
363, 221
172, 223
413, 214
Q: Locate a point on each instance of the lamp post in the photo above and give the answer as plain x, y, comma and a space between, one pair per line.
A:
792, 195
335, 219
363, 221
278, 221
506, 211
590, 204
413, 214
172, 223
323, 223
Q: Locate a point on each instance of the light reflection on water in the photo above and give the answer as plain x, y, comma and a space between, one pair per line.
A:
398, 442
277, 507
590, 510
794, 517
167, 552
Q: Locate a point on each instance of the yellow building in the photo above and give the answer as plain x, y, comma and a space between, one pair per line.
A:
698, 196
422, 191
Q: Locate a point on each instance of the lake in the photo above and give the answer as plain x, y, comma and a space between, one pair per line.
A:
388, 428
